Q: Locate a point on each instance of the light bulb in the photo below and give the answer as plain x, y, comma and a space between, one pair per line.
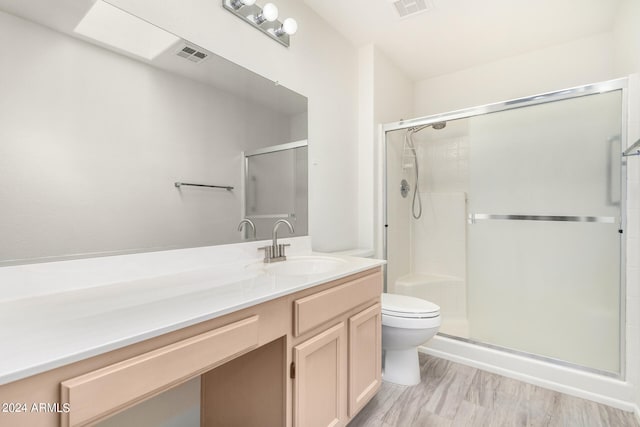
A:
289, 26
270, 12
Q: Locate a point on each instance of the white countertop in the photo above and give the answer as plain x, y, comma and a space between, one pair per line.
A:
47, 327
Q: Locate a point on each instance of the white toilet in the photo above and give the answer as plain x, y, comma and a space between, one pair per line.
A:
407, 322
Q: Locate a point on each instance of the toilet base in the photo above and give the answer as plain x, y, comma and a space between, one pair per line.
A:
402, 366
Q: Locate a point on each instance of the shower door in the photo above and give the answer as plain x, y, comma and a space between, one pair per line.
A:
544, 230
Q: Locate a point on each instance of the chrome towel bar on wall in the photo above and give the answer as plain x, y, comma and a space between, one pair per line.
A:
180, 184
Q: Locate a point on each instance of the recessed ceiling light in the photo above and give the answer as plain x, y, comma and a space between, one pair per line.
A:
116, 28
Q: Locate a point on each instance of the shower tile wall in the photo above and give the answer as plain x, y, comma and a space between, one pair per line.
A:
438, 239
444, 158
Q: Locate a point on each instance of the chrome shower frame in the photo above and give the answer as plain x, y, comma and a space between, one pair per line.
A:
543, 98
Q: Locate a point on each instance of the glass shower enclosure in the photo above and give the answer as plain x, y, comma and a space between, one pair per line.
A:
522, 225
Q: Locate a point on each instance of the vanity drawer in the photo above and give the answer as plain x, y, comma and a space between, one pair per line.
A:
104, 392
316, 309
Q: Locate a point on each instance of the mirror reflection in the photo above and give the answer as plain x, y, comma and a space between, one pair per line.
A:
100, 118
276, 188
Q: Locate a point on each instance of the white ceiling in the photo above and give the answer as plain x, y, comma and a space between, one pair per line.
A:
458, 34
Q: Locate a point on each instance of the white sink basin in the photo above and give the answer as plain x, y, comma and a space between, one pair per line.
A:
303, 266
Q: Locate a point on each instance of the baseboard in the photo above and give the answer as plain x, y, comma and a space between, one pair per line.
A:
613, 392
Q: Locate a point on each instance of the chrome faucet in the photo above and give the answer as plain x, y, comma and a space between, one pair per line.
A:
275, 252
250, 223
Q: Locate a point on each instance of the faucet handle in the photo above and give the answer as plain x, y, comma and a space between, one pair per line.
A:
268, 252
281, 247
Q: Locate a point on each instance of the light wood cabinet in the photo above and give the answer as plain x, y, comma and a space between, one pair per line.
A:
320, 383
321, 307
365, 357
338, 370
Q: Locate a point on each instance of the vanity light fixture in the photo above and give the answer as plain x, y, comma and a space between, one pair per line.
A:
264, 19
237, 4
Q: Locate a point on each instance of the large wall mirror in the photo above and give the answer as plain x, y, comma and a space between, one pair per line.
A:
102, 113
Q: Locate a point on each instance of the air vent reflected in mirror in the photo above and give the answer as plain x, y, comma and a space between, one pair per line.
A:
192, 53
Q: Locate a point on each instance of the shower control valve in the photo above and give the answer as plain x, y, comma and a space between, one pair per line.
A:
404, 188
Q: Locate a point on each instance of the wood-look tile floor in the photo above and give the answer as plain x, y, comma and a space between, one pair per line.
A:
452, 395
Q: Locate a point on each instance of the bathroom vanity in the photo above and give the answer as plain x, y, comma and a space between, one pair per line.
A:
295, 344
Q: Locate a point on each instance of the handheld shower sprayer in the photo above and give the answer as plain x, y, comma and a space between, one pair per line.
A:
408, 139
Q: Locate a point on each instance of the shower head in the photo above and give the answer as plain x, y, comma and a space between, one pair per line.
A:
436, 126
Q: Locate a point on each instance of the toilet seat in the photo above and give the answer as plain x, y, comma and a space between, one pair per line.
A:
408, 307
411, 322
401, 311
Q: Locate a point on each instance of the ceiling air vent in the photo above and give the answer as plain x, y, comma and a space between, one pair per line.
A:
192, 53
406, 8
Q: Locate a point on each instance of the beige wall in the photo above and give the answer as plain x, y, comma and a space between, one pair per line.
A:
366, 145
626, 34
393, 100
582, 61
385, 94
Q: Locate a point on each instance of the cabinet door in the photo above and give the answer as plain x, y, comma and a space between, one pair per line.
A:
365, 354
320, 384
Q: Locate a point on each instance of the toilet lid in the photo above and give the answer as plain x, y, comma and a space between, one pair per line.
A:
406, 306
